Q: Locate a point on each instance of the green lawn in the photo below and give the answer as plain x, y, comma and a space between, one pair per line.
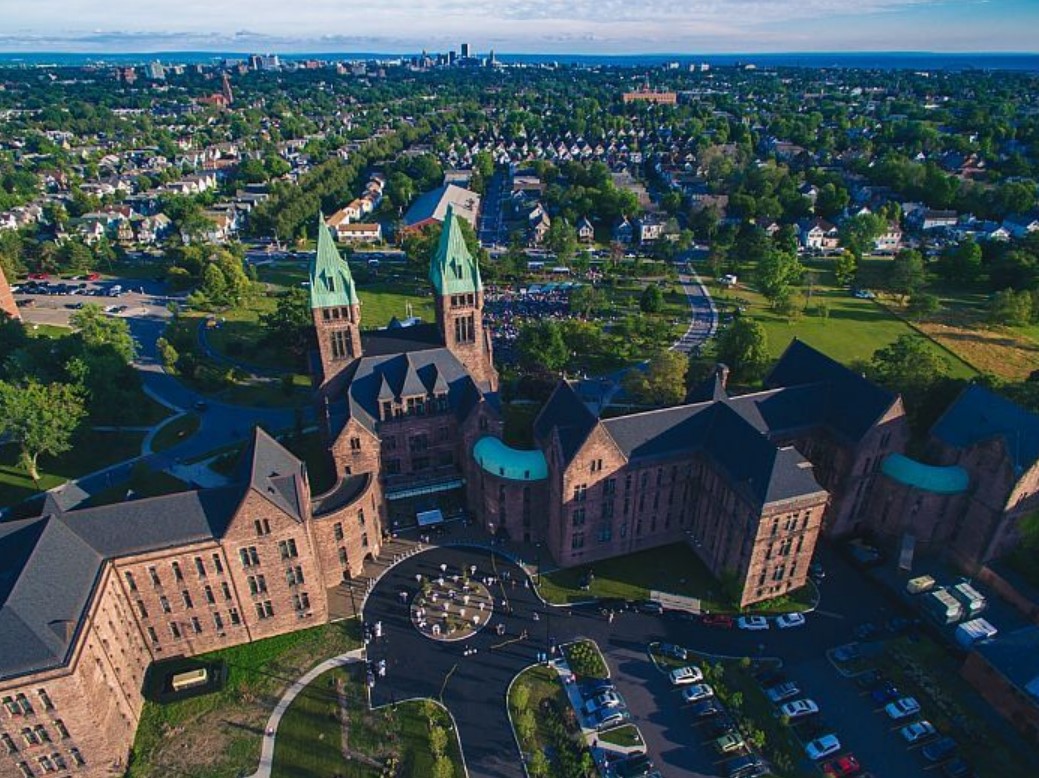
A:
540, 684
674, 569
382, 300
224, 729
91, 451
627, 736
176, 431
310, 736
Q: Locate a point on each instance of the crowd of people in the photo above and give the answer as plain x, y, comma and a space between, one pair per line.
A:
505, 310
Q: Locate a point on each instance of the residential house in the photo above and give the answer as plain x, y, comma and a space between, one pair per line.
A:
585, 230
359, 232
1021, 225
889, 241
623, 232
819, 235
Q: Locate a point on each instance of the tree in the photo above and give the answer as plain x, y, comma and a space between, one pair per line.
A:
845, 267
98, 331
1014, 270
744, 348
651, 300
561, 239
290, 325
40, 419
540, 345
663, 381
858, 233
587, 300
961, 264
907, 273
922, 305
776, 273
908, 365
539, 766
1010, 308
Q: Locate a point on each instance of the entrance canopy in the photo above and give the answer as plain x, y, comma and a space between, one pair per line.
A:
429, 518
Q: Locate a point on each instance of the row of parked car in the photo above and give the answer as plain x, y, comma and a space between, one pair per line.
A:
723, 732
802, 713
603, 708
937, 750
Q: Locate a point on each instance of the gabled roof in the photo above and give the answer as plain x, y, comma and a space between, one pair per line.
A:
979, 414
566, 413
853, 402
433, 205
331, 284
49, 566
453, 270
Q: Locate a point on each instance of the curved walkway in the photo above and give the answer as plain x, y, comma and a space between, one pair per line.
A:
703, 319
301, 683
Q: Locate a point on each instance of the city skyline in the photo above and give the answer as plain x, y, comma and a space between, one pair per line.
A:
530, 26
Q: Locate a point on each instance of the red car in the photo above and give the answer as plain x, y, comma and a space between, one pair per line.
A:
718, 620
93, 277
39, 276
842, 766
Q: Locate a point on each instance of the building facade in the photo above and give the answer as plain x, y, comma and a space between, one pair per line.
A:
6, 298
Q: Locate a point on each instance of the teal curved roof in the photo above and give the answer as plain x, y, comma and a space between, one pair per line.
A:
512, 463
952, 479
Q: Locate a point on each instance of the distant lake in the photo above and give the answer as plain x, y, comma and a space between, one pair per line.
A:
856, 60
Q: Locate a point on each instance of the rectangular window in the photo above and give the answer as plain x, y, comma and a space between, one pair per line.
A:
46, 764
177, 574
141, 609
59, 761
360, 517
218, 564
263, 527
187, 599
200, 567
26, 770
337, 530
45, 699
294, 575
42, 734
226, 590
196, 625
130, 582
264, 610
249, 556
288, 549
12, 706
578, 517
77, 757
29, 736
580, 492
342, 557
165, 605
218, 622
210, 598
154, 574
153, 635
577, 541
9, 744
175, 630
355, 444
63, 731
342, 346
609, 487
235, 618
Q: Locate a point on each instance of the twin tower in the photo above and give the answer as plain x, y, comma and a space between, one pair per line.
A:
455, 275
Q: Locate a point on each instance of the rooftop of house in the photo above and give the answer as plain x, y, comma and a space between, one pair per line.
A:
51, 564
434, 205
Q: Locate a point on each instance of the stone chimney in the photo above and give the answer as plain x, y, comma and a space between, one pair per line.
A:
722, 371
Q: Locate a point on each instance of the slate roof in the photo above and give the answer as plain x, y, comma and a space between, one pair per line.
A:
979, 414
850, 403
754, 465
50, 565
399, 375
1015, 655
398, 340
566, 413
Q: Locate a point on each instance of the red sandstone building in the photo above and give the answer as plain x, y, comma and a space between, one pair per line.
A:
7, 304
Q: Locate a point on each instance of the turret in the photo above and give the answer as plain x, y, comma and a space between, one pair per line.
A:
335, 307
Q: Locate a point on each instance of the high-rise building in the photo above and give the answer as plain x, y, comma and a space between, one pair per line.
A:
156, 72
465, 51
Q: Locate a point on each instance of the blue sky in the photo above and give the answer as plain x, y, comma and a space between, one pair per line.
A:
546, 26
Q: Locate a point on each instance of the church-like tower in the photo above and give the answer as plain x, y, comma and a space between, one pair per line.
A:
455, 275
335, 306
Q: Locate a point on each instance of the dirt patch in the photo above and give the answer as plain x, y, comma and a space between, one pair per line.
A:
1001, 352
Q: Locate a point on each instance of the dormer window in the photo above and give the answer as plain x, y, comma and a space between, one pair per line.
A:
330, 283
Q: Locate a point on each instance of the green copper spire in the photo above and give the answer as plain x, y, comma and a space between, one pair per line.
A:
331, 285
453, 269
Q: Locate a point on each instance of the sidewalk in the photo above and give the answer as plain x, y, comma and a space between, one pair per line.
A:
271, 729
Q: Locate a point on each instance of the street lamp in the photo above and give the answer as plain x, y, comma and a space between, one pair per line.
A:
537, 573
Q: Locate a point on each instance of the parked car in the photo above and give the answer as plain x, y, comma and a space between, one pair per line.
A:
39, 276
609, 699
595, 687
816, 571
649, 606
722, 724
788, 620
637, 766
718, 620
884, 694
918, 731
610, 717
940, 750
841, 766
822, 747
706, 708
956, 768
729, 742
799, 708
683, 676
744, 766
902, 708
673, 651
696, 692
783, 691
752, 623
870, 679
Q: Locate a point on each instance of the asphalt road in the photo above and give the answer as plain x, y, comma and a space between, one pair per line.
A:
474, 687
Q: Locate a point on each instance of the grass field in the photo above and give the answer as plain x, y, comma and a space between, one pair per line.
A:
540, 683
674, 569
219, 734
91, 451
